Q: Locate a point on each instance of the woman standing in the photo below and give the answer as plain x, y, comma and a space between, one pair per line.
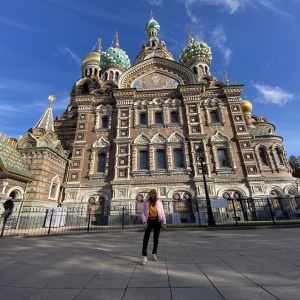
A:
153, 216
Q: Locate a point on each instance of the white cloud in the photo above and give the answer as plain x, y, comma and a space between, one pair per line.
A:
219, 39
71, 54
276, 95
232, 6
13, 23
7, 108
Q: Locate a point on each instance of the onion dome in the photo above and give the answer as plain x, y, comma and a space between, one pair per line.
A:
152, 24
195, 49
246, 106
115, 55
93, 56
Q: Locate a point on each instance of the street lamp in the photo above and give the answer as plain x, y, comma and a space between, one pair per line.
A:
201, 155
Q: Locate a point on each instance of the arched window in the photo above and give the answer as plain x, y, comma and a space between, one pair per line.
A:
262, 156
278, 154
143, 119
101, 162
117, 75
223, 161
54, 188
104, 122
85, 89
178, 159
144, 165
174, 117
105, 76
160, 159
195, 70
158, 118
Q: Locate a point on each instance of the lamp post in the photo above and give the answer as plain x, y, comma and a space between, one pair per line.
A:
211, 221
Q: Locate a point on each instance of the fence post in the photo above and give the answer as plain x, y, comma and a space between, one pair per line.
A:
236, 220
89, 219
52, 212
6, 214
123, 217
272, 216
197, 205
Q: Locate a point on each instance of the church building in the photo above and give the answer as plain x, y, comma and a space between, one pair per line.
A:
132, 127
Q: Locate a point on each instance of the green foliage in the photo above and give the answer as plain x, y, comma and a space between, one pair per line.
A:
295, 165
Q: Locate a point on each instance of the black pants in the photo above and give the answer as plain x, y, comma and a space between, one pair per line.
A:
155, 225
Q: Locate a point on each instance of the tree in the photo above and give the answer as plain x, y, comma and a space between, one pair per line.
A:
295, 165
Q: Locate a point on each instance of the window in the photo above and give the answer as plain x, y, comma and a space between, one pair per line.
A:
174, 118
144, 160
158, 118
143, 119
177, 158
105, 122
214, 116
53, 191
222, 158
160, 159
262, 156
101, 163
279, 156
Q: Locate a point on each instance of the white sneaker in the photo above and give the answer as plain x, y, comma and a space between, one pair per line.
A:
143, 260
154, 257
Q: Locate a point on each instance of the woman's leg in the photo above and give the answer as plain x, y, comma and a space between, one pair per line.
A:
156, 236
146, 238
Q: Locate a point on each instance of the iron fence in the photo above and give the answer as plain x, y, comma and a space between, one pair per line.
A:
236, 212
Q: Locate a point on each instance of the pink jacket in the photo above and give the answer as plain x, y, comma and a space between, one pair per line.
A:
160, 211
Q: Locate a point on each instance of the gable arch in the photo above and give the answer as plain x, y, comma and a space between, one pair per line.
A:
159, 66
176, 137
142, 139
159, 138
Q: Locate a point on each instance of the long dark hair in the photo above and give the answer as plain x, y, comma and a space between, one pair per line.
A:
153, 201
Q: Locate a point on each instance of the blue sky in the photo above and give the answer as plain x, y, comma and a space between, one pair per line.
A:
43, 43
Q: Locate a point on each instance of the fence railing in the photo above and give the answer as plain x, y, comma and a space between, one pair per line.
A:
237, 212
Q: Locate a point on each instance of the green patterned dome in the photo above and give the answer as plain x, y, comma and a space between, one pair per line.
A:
195, 49
115, 55
152, 24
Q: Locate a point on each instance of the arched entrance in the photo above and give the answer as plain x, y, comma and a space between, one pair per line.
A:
96, 210
182, 207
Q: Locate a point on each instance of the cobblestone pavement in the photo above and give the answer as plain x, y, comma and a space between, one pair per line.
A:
210, 264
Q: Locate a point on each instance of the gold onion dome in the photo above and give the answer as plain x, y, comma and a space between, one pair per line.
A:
246, 106
92, 56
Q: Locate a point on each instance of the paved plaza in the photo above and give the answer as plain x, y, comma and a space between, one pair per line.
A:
210, 264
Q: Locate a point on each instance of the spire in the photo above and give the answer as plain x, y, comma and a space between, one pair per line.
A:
99, 45
191, 40
117, 40
225, 74
46, 120
151, 15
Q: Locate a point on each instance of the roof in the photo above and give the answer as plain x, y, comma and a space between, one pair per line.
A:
12, 163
